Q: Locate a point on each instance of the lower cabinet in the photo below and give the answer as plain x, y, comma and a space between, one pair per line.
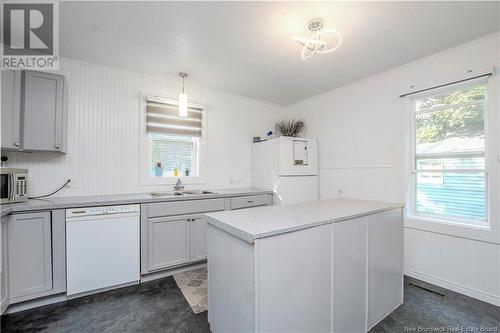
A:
176, 240
368, 270
175, 233
35, 255
385, 264
29, 252
349, 248
168, 243
198, 238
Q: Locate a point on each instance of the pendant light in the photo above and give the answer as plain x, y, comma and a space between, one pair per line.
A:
183, 98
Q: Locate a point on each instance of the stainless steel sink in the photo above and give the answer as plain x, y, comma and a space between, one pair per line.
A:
164, 194
198, 192
176, 193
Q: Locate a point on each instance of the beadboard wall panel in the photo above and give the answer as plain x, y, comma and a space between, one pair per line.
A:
104, 130
464, 265
362, 130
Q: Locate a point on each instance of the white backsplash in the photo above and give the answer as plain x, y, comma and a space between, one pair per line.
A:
104, 128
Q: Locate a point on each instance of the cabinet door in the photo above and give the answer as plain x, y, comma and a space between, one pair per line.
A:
43, 120
198, 238
29, 247
168, 242
11, 111
385, 264
349, 311
4, 291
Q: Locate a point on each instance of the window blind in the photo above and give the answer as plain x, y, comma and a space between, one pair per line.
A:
162, 116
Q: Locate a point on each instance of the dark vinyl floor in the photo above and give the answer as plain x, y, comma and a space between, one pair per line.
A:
159, 306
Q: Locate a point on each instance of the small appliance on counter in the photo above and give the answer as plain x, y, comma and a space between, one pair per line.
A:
14, 185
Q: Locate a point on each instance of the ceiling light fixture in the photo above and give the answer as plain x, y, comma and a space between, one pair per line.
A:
315, 45
183, 98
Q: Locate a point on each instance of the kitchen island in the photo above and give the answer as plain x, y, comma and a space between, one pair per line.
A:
325, 266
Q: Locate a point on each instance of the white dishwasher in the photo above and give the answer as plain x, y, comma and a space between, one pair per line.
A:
102, 248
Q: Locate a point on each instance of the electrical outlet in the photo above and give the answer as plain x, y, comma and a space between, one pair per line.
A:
73, 183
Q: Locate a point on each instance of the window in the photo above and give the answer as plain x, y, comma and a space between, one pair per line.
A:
449, 176
431, 172
172, 153
173, 141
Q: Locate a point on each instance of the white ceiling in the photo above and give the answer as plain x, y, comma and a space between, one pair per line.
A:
246, 47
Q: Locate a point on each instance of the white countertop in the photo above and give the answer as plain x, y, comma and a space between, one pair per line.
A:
253, 223
118, 199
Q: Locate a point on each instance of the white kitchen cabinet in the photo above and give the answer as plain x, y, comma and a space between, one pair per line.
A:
198, 238
11, 109
168, 242
343, 276
385, 264
250, 201
175, 233
29, 248
4, 288
349, 241
35, 255
34, 114
44, 119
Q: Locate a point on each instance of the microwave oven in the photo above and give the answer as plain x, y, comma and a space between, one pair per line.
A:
14, 185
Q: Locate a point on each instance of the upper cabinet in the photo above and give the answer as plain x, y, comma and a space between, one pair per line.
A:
34, 116
11, 109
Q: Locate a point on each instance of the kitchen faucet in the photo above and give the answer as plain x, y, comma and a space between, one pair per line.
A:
178, 186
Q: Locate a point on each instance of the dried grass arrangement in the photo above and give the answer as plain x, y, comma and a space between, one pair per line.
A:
289, 127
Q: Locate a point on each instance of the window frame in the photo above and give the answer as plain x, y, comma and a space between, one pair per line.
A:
194, 157
466, 228
145, 180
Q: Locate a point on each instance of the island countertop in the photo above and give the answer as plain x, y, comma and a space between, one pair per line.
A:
253, 223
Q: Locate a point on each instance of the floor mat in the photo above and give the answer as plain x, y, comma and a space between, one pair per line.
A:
193, 285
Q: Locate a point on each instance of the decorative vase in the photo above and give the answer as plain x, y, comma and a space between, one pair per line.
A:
158, 171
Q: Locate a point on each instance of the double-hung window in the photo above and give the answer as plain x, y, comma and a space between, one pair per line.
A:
173, 140
449, 179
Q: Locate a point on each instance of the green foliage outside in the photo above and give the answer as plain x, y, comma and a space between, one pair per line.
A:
465, 121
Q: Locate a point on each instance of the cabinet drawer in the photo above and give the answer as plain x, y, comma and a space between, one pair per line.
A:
185, 207
249, 201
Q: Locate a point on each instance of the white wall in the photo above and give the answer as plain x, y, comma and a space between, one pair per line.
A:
104, 131
362, 132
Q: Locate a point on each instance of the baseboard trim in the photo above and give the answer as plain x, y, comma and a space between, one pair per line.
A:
26, 305
467, 291
98, 291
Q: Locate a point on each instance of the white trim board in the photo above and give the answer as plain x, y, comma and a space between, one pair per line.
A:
485, 297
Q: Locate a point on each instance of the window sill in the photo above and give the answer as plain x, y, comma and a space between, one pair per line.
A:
456, 229
151, 181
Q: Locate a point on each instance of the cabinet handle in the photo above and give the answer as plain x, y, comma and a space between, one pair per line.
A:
250, 201
58, 147
16, 144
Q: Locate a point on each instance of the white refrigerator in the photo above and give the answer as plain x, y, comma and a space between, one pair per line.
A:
288, 166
